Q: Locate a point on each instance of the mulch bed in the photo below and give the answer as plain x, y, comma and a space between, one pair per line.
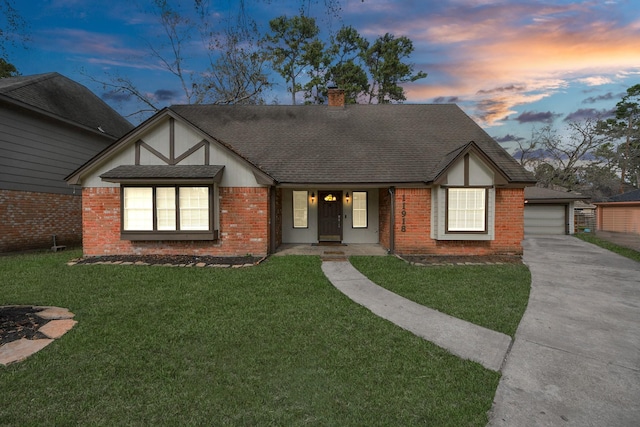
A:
456, 260
171, 259
17, 322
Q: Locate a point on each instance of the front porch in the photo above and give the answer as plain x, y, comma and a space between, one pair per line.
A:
331, 250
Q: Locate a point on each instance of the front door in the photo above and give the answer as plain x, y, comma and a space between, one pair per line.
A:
330, 216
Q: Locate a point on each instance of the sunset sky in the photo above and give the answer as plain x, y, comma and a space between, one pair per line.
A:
513, 66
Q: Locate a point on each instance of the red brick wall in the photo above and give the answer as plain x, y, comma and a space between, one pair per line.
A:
278, 218
28, 220
509, 221
415, 239
384, 218
243, 226
413, 221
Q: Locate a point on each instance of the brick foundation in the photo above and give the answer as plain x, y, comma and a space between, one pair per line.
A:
28, 220
243, 226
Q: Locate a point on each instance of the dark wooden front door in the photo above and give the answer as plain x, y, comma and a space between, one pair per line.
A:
330, 216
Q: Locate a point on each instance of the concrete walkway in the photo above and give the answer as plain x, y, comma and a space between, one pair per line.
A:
461, 338
575, 360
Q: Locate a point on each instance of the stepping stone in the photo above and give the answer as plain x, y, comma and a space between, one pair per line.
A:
16, 351
57, 328
54, 313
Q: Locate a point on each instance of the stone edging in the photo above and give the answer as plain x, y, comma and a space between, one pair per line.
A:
61, 321
77, 261
440, 264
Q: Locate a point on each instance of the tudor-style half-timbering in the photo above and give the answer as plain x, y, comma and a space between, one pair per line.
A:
174, 192
236, 180
464, 199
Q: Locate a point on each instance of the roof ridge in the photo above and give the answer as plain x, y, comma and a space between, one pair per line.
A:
22, 81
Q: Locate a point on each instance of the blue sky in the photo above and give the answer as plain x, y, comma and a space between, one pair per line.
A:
511, 65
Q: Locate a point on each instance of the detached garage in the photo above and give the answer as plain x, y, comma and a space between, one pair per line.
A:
620, 214
549, 211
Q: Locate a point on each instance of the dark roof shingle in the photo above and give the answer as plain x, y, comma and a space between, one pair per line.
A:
55, 94
133, 172
629, 196
354, 144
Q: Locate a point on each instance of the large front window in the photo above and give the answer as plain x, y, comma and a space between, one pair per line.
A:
166, 210
466, 210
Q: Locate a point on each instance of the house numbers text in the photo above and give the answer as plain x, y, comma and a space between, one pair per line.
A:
403, 228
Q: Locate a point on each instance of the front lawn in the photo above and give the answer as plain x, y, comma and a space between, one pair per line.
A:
275, 344
493, 296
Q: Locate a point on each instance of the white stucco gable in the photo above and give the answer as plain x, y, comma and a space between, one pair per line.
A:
168, 140
469, 170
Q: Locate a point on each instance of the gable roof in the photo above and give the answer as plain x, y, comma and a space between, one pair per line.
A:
318, 144
548, 195
56, 95
629, 196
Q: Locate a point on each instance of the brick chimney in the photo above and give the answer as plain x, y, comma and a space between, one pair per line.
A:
336, 97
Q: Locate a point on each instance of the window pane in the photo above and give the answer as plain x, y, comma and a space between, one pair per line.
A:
359, 209
466, 209
138, 208
194, 208
166, 208
300, 209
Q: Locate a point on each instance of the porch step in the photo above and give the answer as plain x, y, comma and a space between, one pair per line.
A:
333, 256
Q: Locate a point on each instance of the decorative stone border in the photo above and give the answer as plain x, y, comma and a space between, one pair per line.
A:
78, 261
61, 322
449, 263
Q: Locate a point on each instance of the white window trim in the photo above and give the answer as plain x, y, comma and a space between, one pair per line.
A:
439, 212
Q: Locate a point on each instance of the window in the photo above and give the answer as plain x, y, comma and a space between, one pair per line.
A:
138, 209
359, 209
167, 213
194, 208
300, 209
466, 210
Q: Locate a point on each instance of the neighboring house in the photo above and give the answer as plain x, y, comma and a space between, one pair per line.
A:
620, 213
548, 211
237, 180
49, 126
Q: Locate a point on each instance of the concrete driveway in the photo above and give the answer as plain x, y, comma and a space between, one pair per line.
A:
576, 356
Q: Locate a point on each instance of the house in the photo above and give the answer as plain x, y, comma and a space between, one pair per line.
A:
620, 214
237, 180
549, 211
49, 126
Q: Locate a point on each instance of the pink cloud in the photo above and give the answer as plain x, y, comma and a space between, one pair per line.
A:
88, 43
486, 49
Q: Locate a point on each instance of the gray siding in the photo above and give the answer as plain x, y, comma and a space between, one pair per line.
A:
37, 152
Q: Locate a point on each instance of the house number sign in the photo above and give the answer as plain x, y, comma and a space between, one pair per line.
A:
404, 215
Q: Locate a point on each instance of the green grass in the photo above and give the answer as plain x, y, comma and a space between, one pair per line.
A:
493, 296
620, 250
275, 344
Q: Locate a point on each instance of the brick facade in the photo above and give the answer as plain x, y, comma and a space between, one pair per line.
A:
384, 218
28, 220
413, 225
243, 229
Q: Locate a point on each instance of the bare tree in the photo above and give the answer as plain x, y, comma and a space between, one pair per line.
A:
13, 32
235, 72
569, 159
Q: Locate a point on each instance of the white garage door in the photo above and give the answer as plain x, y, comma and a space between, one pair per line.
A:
544, 219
